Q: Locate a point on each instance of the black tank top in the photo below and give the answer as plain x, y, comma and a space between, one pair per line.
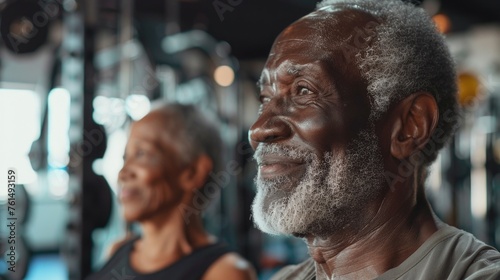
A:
190, 267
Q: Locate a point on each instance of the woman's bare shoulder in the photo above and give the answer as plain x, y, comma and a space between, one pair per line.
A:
230, 266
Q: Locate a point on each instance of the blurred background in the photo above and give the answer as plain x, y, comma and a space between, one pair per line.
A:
74, 74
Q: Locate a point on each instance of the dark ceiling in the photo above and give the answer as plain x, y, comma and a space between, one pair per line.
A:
250, 26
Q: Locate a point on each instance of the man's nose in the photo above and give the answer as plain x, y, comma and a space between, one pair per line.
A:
269, 128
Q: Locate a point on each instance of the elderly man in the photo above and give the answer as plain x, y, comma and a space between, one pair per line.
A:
356, 100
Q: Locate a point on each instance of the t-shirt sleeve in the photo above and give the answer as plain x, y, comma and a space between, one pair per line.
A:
491, 272
304, 270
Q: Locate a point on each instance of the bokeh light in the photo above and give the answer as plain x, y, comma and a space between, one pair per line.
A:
224, 75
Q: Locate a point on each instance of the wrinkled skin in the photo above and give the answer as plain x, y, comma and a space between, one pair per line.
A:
149, 178
314, 100
314, 106
156, 181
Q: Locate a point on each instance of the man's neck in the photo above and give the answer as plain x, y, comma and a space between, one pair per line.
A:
392, 235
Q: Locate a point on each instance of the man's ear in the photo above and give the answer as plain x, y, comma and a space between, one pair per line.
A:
416, 118
195, 174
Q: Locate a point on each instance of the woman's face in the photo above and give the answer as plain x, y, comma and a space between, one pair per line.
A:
149, 180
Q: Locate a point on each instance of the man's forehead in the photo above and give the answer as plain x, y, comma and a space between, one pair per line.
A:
339, 20
323, 33
338, 7
290, 68
328, 28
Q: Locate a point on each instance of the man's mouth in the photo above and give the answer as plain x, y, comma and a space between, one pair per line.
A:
273, 166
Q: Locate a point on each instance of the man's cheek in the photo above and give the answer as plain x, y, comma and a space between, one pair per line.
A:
320, 132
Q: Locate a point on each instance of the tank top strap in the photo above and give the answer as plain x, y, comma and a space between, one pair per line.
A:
190, 267
195, 265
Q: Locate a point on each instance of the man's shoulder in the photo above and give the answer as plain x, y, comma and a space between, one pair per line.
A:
451, 253
464, 245
304, 270
490, 271
479, 260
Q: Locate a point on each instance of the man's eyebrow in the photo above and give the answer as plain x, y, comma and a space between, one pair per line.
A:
260, 82
294, 70
263, 79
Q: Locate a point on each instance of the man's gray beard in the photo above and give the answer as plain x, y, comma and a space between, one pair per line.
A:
330, 195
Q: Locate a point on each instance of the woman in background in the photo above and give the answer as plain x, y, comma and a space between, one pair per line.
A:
165, 180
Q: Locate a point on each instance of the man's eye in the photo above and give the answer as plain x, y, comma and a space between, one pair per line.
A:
264, 99
304, 91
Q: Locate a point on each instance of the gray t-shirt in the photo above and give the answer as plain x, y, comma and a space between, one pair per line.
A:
449, 253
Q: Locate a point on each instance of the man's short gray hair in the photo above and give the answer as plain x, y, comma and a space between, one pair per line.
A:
407, 56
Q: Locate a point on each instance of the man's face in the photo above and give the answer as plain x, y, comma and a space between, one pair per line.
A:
318, 155
149, 178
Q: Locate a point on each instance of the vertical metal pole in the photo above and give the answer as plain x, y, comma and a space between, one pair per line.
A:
72, 79
86, 242
172, 17
125, 36
77, 76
